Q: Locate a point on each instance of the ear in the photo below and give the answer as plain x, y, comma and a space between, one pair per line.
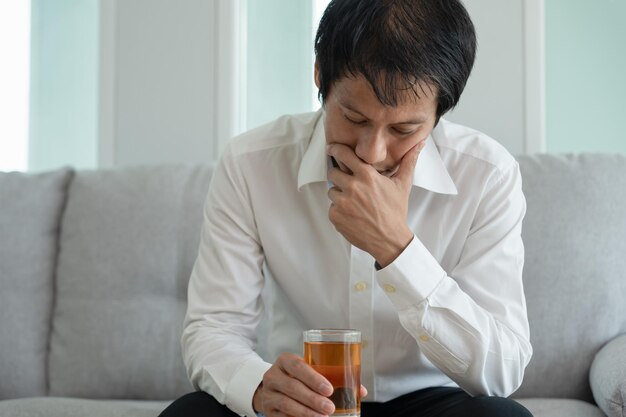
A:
317, 74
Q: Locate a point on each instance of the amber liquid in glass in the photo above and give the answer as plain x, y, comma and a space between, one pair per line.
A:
340, 363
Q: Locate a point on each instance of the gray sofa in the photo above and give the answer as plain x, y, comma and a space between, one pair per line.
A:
94, 268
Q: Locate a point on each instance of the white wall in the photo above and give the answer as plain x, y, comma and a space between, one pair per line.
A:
159, 82
128, 82
504, 96
183, 82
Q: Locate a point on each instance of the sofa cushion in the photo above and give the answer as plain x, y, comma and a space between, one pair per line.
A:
128, 243
559, 407
575, 269
30, 212
72, 407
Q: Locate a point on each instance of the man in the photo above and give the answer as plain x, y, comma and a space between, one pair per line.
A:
373, 214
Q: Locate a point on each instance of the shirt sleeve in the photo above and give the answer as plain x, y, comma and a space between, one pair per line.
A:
471, 323
224, 302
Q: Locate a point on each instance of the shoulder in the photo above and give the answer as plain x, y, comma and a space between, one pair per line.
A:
461, 145
283, 132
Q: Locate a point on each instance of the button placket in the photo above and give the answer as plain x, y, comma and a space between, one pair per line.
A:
361, 311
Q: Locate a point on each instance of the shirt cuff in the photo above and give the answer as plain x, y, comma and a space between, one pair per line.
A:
411, 277
243, 385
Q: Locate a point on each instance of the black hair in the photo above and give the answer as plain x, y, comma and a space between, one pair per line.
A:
397, 45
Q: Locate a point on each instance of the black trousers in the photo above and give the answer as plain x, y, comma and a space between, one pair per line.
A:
429, 402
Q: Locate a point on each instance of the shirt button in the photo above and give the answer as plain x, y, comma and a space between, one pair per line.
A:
424, 338
360, 286
389, 288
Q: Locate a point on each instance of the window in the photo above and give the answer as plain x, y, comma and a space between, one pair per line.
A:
14, 84
279, 58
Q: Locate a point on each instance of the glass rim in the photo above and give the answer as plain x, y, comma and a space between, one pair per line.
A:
332, 335
333, 331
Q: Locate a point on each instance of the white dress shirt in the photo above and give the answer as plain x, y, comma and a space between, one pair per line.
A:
450, 310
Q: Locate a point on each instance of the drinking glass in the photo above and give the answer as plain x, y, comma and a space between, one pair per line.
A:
336, 354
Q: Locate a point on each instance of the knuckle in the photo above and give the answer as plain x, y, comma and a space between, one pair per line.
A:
271, 384
283, 403
268, 376
297, 365
284, 359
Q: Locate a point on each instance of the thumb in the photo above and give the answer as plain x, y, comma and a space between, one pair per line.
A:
407, 165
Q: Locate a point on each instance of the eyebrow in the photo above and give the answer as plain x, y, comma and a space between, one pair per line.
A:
415, 121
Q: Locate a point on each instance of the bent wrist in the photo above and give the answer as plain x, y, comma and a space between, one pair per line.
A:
393, 248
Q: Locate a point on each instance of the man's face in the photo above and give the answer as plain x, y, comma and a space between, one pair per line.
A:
380, 135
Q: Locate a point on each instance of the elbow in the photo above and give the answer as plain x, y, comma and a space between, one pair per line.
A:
188, 353
511, 374
503, 376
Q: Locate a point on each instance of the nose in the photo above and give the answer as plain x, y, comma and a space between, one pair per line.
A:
372, 148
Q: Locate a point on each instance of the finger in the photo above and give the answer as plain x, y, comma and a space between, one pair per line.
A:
346, 155
283, 405
333, 194
339, 178
408, 163
296, 390
281, 389
363, 391
297, 368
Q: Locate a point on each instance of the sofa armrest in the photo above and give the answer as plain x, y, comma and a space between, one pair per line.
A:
608, 377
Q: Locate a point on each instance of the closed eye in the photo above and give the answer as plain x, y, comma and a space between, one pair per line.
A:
356, 122
404, 132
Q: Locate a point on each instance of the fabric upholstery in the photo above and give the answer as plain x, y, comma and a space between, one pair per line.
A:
574, 234
72, 407
129, 238
30, 212
128, 243
556, 407
608, 378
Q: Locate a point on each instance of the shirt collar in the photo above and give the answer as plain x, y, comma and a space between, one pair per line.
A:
313, 167
430, 171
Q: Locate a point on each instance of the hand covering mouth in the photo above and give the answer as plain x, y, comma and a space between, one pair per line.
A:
389, 172
386, 172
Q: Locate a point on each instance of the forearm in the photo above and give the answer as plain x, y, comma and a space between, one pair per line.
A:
477, 335
222, 364
224, 306
481, 354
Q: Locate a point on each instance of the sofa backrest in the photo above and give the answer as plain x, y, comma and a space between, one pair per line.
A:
129, 238
575, 269
128, 241
31, 206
